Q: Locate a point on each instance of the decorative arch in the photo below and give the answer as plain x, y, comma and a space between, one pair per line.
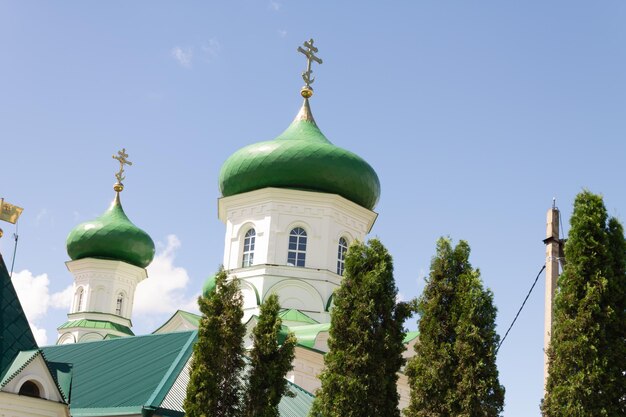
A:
79, 299
66, 338
330, 303
249, 291
244, 227
121, 301
91, 337
100, 299
30, 388
297, 294
44, 391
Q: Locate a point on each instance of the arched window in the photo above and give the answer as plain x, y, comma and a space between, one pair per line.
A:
297, 247
248, 248
30, 389
341, 255
119, 304
79, 299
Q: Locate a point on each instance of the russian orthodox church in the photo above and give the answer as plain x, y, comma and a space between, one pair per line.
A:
291, 207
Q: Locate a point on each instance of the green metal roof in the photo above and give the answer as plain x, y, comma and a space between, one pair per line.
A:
96, 324
297, 406
410, 336
307, 334
191, 318
301, 158
15, 333
296, 315
122, 376
111, 236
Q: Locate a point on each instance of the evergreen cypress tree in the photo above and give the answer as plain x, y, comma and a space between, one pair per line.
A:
270, 362
215, 385
366, 335
454, 370
587, 353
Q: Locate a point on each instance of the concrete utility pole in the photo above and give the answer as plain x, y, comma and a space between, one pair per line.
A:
553, 255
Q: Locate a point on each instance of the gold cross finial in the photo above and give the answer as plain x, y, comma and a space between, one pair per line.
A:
121, 157
309, 52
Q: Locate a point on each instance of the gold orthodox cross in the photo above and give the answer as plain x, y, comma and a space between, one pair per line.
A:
121, 157
309, 52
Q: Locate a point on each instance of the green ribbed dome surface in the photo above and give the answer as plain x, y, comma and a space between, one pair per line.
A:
111, 236
209, 286
301, 158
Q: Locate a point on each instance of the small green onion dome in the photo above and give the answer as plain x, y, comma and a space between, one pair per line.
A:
111, 236
209, 286
301, 158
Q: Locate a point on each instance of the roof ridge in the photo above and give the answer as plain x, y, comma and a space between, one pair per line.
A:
170, 376
9, 378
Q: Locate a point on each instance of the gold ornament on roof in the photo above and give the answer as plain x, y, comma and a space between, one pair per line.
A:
309, 52
121, 157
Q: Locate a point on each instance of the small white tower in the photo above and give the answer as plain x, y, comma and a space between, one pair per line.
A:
109, 256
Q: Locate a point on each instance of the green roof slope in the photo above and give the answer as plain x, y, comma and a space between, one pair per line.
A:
96, 324
297, 406
15, 333
122, 375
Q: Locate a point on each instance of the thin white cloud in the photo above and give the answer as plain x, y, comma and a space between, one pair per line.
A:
274, 5
282, 33
163, 292
184, 56
62, 299
211, 49
34, 295
43, 213
41, 337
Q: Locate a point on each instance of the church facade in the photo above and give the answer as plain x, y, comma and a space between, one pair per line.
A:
291, 207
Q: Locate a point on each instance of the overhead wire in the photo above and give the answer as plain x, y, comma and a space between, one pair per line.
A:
521, 308
16, 237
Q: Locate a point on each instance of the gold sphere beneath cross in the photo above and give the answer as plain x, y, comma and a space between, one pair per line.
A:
306, 92
118, 187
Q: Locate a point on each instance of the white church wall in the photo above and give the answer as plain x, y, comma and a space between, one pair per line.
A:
13, 405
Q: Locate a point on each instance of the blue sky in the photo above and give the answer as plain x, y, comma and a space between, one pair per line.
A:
474, 114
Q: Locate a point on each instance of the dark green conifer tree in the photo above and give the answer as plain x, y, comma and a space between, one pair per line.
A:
587, 353
269, 362
366, 336
453, 372
215, 385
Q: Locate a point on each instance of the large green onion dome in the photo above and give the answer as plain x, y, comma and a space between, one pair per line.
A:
301, 158
111, 236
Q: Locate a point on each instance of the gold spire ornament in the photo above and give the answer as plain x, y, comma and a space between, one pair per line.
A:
121, 157
309, 52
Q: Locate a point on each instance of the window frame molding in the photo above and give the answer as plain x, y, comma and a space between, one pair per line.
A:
297, 251
253, 243
341, 255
